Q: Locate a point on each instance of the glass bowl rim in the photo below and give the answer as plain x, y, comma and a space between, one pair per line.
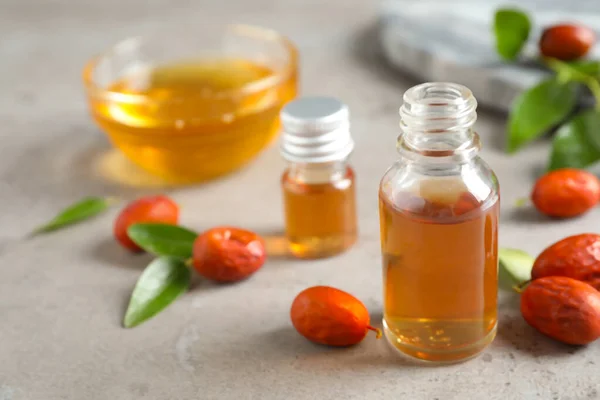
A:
249, 88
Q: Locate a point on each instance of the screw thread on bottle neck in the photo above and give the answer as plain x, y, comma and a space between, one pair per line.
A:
437, 120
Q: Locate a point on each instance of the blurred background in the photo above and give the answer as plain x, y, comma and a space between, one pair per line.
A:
65, 128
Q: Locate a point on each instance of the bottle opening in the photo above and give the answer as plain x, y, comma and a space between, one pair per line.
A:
437, 120
437, 93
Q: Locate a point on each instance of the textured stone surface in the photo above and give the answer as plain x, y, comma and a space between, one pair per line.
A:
62, 296
439, 40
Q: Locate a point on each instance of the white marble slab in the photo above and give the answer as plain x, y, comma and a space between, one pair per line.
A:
445, 40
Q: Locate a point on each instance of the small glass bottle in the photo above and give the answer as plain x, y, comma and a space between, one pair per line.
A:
439, 207
318, 185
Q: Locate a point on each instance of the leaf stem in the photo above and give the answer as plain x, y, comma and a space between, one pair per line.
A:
376, 330
519, 288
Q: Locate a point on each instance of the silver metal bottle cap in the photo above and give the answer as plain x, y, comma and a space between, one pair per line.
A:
315, 130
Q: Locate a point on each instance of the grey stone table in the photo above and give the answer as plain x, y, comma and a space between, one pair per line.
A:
62, 296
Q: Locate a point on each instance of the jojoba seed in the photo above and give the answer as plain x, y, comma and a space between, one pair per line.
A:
562, 308
330, 316
566, 42
157, 209
228, 254
566, 192
576, 257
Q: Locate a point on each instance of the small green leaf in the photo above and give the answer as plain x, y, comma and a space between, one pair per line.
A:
163, 280
515, 267
163, 239
538, 109
577, 142
511, 28
84, 209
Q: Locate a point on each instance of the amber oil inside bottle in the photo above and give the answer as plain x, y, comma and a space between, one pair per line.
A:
439, 231
320, 210
318, 186
440, 274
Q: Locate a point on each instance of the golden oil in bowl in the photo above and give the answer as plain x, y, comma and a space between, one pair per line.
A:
194, 119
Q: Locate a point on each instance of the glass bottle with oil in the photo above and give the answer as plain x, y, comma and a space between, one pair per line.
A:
439, 206
318, 185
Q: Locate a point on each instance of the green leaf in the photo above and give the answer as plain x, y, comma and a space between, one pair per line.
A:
163, 239
511, 28
577, 142
515, 267
84, 209
538, 109
163, 280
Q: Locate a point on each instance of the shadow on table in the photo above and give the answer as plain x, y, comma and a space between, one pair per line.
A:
286, 347
528, 214
286, 342
515, 333
112, 254
79, 161
69, 162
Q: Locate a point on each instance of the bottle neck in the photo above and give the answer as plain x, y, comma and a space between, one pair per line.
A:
317, 173
437, 124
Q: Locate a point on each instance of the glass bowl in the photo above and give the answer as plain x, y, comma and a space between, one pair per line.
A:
192, 110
